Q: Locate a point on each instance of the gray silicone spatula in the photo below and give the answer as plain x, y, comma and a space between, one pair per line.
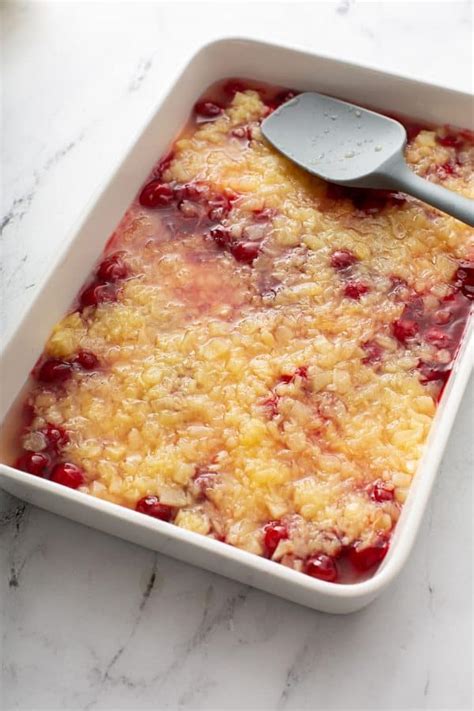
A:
348, 145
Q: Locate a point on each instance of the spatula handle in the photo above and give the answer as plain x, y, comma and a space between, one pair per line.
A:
404, 179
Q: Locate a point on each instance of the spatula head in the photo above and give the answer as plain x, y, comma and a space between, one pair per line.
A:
338, 141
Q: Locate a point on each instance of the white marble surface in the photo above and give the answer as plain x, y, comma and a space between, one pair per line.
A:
91, 622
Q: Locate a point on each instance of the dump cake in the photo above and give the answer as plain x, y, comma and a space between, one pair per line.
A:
258, 355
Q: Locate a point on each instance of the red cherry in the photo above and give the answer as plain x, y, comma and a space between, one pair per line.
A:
90, 296
97, 293
381, 492
195, 192
56, 436
68, 474
112, 268
156, 194
321, 566
150, 505
374, 352
342, 259
449, 141
355, 289
245, 252
404, 328
54, 370
221, 236
438, 337
87, 360
364, 558
464, 279
273, 533
432, 372
33, 462
207, 109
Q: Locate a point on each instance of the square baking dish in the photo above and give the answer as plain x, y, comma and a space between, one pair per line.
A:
276, 65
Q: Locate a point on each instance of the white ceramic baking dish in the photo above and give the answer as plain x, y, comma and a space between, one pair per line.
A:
272, 64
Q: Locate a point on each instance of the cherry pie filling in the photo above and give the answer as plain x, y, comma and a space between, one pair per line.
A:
258, 355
